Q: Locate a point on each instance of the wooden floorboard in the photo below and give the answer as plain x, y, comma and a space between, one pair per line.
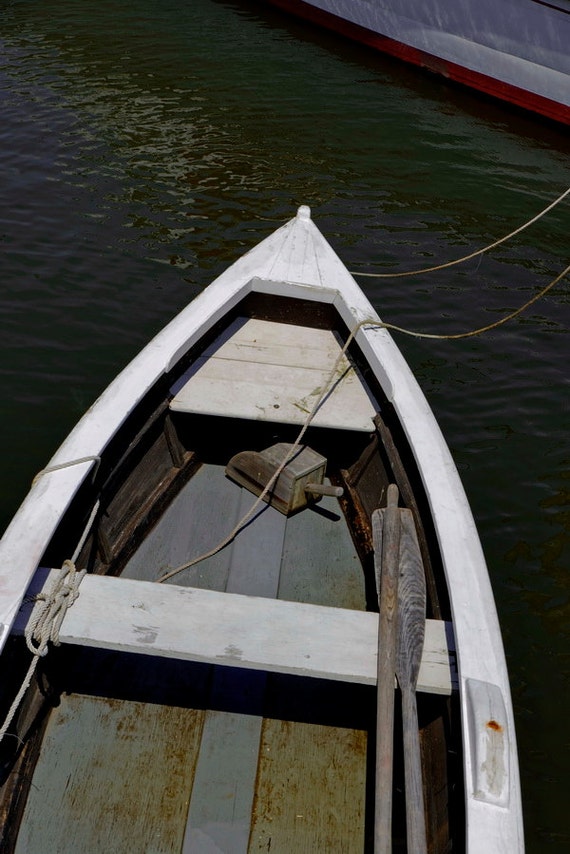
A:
203, 513
320, 564
310, 790
219, 816
116, 778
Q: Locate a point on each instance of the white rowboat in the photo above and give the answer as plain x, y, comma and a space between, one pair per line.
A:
249, 701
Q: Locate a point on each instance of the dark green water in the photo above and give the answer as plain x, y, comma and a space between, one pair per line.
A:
143, 146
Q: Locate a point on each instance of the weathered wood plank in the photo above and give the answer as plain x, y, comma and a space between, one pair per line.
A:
241, 631
410, 634
386, 531
116, 777
219, 815
311, 789
320, 563
203, 513
219, 818
268, 371
256, 552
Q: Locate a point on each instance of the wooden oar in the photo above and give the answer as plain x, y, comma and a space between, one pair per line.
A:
410, 631
386, 535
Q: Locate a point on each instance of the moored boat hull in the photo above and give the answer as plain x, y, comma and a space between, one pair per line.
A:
514, 51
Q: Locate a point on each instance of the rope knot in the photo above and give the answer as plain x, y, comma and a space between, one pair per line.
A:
51, 607
47, 616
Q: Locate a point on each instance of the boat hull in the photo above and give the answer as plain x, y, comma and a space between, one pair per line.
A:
276, 695
520, 58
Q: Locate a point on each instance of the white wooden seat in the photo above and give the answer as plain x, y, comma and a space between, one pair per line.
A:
269, 371
241, 631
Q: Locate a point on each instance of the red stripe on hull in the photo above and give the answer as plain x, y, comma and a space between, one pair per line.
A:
473, 79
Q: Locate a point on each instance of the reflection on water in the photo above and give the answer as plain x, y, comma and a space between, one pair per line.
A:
144, 146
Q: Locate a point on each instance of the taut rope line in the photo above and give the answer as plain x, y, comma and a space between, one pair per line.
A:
481, 329
59, 466
471, 254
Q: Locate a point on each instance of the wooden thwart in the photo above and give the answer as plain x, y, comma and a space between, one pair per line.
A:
241, 631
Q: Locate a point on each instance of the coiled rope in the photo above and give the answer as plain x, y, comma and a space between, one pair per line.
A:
50, 609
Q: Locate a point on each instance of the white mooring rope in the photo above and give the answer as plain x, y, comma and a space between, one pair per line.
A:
44, 624
471, 255
47, 615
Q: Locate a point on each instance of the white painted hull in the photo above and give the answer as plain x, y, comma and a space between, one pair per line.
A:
514, 50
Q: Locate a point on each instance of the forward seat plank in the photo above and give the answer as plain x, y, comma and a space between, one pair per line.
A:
268, 371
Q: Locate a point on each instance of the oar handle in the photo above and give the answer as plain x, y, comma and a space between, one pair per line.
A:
415, 817
386, 534
411, 628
